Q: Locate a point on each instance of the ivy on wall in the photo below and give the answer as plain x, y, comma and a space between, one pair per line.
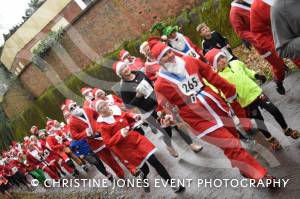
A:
53, 38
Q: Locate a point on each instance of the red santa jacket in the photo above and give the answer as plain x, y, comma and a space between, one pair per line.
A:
35, 160
240, 20
151, 70
260, 25
54, 142
134, 148
16, 163
48, 154
203, 112
3, 180
78, 129
136, 64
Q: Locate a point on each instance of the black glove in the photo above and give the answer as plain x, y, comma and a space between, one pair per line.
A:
247, 44
262, 78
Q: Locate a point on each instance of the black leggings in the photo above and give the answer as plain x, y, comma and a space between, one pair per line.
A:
93, 159
167, 132
156, 164
265, 103
18, 178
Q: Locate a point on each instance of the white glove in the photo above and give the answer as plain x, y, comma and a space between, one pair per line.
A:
125, 131
89, 132
168, 117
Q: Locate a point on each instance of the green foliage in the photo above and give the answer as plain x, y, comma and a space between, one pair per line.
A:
53, 38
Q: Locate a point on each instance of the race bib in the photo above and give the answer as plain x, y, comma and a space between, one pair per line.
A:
191, 85
227, 53
192, 53
145, 88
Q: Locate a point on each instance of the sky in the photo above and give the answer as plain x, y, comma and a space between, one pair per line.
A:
11, 12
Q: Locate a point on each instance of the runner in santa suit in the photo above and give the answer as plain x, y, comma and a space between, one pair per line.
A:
111, 99
88, 96
117, 130
180, 43
180, 83
4, 184
135, 63
151, 66
62, 136
80, 128
54, 142
50, 156
145, 101
16, 171
34, 130
260, 26
35, 158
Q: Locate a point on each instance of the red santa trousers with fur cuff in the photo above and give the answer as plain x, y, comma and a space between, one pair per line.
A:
238, 156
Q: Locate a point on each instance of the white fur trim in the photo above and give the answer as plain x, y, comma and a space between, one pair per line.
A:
146, 158
124, 54
214, 114
267, 54
215, 62
269, 2
86, 90
162, 53
99, 149
142, 46
119, 67
234, 4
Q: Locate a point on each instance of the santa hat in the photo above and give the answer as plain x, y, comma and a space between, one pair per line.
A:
41, 133
118, 66
158, 49
97, 91
49, 121
32, 137
98, 104
13, 143
69, 103
26, 138
49, 128
169, 30
34, 130
123, 53
212, 57
85, 90
142, 46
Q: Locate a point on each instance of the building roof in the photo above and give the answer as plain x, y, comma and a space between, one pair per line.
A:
41, 17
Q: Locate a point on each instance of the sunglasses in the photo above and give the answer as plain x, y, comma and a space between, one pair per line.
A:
73, 107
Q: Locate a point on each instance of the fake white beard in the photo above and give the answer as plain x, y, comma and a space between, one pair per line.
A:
77, 111
177, 67
180, 43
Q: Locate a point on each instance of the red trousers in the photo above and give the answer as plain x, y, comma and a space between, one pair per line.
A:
229, 142
274, 60
108, 158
